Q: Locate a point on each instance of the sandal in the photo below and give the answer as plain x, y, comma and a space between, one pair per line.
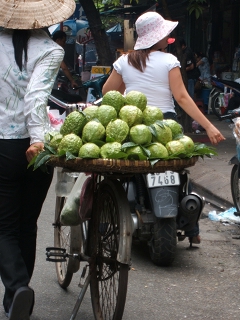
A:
196, 239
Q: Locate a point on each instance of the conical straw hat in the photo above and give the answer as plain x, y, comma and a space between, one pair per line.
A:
34, 14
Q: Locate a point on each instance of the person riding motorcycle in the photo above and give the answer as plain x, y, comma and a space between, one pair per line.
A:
60, 38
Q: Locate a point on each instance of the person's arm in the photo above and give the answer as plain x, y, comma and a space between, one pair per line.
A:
114, 82
188, 105
200, 62
36, 98
190, 67
68, 74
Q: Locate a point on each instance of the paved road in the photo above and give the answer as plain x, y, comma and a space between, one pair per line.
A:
201, 284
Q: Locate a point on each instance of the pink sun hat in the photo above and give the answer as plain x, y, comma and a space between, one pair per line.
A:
151, 27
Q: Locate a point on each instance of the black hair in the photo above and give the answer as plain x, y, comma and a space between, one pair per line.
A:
182, 42
20, 44
199, 54
47, 31
59, 35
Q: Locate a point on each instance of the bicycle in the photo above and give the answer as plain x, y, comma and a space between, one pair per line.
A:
235, 173
104, 242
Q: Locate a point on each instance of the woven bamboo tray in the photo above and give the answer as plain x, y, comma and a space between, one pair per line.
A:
121, 166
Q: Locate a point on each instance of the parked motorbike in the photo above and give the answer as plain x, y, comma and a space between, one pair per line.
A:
163, 208
220, 94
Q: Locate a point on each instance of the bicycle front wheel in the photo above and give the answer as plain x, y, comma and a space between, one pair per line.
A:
68, 238
109, 277
235, 187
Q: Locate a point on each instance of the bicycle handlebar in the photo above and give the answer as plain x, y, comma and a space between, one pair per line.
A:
232, 115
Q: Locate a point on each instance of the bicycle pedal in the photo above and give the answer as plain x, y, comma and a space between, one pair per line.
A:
59, 254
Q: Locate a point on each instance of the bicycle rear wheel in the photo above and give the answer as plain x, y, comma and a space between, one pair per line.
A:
109, 277
68, 238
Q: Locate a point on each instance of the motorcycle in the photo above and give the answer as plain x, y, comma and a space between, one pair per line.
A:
63, 93
222, 91
163, 208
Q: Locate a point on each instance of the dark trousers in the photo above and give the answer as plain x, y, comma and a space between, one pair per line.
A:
22, 193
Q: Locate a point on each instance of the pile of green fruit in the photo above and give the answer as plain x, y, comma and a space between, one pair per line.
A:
122, 128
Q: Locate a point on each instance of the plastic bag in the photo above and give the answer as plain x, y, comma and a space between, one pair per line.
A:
86, 200
226, 216
56, 119
70, 212
65, 183
197, 127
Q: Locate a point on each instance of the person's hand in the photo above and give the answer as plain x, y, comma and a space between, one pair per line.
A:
237, 128
34, 150
214, 135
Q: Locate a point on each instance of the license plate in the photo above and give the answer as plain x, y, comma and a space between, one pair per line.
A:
167, 178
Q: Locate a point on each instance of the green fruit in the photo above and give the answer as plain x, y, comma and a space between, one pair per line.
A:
136, 98
110, 150
151, 114
158, 151
136, 151
188, 144
175, 148
49, 135
105, 114
132, 115
73, 123
140, 134
70, 143
117, 130
175, 127
91, 112
115, 99
89, 150
54, 143
163, 133
93, 131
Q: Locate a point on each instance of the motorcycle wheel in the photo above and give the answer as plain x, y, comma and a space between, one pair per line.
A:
215, 105
235, 187
162, 247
